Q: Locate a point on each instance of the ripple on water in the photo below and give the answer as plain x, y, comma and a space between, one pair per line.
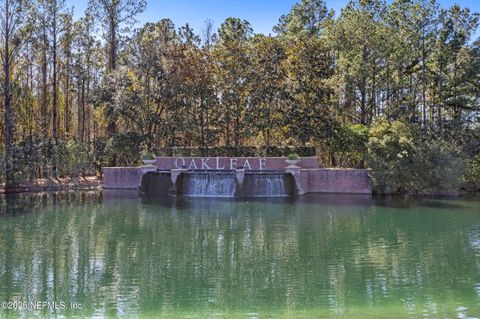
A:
223, 258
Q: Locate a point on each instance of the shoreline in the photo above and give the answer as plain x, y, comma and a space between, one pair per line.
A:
54, 185
96, 183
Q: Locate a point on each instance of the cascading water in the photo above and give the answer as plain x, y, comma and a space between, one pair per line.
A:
156, 183
209, 184
270, 184
220, 184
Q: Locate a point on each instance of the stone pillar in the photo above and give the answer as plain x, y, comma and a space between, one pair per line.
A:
295, 172
174, 174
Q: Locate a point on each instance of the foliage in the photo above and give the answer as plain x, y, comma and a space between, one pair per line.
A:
471, 178
383, 83
307, 18
234, 79
403, 162
126, 148
148, 156
99, 155
34, 158
348, 145
244, 151
293, 156
74, 158
309, 67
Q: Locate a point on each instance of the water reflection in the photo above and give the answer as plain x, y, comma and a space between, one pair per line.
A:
349, 256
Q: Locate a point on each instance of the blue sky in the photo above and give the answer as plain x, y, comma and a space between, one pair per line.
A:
262, 14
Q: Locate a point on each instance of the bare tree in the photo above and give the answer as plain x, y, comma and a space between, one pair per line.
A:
13, 32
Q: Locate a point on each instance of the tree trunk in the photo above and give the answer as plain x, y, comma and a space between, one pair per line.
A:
111, 68
424, 83
54, 88
237, 126
81, 110
9, 166
373, 110
67, 119
44, 104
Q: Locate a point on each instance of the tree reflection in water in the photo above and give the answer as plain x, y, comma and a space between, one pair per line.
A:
315, 256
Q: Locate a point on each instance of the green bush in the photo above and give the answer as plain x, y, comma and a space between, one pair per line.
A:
125, 149
390, 156
293, 156
443, 166
35, 157
404, 161
76, 158
348, 145
471, 179
148, 156
29, 155
99, 155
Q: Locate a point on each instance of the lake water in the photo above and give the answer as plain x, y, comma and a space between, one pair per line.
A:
117, 255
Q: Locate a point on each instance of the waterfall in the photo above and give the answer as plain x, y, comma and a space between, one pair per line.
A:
267, 185
209, 184
156, 183
220, 184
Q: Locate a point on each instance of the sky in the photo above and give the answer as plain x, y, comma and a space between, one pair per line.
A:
262, 14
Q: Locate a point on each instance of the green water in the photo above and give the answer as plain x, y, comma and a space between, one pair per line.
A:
316, 257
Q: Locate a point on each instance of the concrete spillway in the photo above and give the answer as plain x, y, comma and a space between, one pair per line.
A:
165, 176
231, 184
207, 184
268, 184
157, 183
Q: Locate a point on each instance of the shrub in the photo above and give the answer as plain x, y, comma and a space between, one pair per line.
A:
78, 158
99, 155
348, 145
441, 166
125, 149
293, 156
403, 161
471, 178
148, 156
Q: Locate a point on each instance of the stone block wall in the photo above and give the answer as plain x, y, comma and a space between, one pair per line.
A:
122, 177
342, 181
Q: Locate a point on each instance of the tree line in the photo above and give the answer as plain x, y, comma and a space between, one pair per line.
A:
103, 90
